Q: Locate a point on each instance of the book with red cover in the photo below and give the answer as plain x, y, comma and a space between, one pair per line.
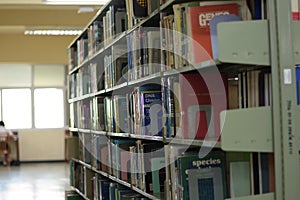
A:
198, 28
203, 97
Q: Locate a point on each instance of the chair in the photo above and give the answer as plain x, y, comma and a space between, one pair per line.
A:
4, 148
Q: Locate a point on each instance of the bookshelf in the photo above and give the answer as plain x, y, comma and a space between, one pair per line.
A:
136, 119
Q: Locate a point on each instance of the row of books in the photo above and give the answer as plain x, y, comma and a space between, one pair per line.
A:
105, 189
189, 35
144, 55
116, 67
140, 163
218, 175
170, 171
139, 9
98, 34
114, 22
155, 110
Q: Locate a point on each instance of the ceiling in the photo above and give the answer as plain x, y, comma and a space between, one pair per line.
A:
17, 15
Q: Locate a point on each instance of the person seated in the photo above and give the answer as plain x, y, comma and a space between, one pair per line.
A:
4, 135
4, 130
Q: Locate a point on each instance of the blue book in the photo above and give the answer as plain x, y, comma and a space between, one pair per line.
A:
103, 189
298, 84
151, 112
213, 30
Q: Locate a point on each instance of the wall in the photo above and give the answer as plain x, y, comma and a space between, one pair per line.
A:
38, 145
41, 145
20, 48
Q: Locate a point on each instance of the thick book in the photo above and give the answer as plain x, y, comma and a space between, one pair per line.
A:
151, 112
198, 28
215, 159
154, 53
206, 183
149, 152
158, 174
103, 188
201, 102
121, 113
238, 165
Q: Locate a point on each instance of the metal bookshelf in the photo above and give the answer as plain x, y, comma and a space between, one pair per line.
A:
272, 43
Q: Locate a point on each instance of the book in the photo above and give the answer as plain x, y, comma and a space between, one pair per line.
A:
120, 21
198, 28
207, 183
121, 113
240, 179
150, 151
141, 109
201, 102
120, 64
103, 188
154, 52
158, 174
152, 5
213, 30
188, 161
140, 8
238, 164
151, 112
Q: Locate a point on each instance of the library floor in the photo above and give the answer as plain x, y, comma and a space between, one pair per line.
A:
37, 181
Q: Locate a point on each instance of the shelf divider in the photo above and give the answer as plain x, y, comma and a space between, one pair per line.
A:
268, 196
244, 42
248, 130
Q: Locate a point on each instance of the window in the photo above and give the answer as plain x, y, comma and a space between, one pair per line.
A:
17, 108
32, 96
49, 108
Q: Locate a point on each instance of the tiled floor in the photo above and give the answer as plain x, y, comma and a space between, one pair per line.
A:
38, 181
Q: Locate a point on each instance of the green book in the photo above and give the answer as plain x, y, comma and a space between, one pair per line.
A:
158, 174
215, 159
239, 173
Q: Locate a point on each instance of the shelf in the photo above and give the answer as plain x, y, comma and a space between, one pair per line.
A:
119, 181
99, 93
86, 96
144, 193
145, 79
200, 66
117, 87
81, 130
73, 129
147, 137
80, 193
115, 40
248, 130
85, 164
244, 42
268, 196
98, 132
100, 172
118, 134
191, 142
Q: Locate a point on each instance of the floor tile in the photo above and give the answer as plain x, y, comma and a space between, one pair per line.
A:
38, 181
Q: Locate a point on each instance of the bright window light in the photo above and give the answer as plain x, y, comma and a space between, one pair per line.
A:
49, 108
17, 108
77, 2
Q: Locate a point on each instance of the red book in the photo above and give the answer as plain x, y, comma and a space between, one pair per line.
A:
198, 29
202, 98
